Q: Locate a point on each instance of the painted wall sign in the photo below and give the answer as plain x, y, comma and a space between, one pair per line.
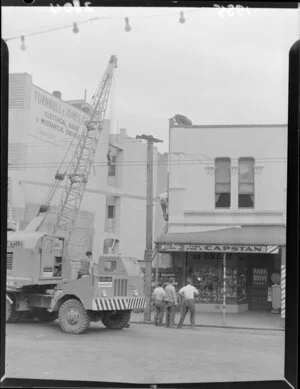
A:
213, 248
260, 276
54, 115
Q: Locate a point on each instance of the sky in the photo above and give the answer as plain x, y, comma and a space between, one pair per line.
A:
219, 67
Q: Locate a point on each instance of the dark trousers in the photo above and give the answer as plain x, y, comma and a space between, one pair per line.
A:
188, 305
170, 314
159, 312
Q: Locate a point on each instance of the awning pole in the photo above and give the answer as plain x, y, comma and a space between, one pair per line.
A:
224, 289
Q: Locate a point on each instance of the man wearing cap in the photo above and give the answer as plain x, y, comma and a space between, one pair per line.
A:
188, 292
170, 302
158, 301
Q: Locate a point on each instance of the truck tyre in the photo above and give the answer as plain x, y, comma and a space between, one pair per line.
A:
43, 315
73, 318
116, 320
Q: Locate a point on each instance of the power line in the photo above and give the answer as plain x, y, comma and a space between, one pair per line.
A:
45, 165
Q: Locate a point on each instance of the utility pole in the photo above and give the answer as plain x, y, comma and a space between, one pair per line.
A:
149, 223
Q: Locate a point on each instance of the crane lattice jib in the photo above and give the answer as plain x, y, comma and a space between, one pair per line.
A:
83, 157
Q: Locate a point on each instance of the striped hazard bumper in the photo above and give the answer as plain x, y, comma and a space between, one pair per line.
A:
118, 304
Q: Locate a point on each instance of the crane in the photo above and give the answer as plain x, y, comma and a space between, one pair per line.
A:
40, 283
80, 165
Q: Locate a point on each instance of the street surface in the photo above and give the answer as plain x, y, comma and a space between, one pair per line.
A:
143, 353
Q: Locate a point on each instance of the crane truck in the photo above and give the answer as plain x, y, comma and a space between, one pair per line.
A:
39, 283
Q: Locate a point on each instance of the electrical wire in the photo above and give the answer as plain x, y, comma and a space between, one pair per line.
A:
67, 26
131, 163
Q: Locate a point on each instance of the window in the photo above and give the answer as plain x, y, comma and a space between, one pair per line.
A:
222, 185
246, 183
112, 166
110, 266
110, 211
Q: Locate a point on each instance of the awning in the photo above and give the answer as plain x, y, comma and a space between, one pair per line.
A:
220, 240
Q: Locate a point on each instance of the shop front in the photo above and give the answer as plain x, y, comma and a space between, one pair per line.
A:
241, 275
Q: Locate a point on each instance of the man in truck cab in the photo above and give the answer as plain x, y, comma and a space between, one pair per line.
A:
86, 265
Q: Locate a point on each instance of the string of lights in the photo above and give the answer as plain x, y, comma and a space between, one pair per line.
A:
75, 25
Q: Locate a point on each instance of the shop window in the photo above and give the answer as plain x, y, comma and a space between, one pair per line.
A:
222, 182
246, 183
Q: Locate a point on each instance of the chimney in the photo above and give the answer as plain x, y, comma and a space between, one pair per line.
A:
57, 94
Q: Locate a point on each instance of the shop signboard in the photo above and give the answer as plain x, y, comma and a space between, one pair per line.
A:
260, 276
218, 248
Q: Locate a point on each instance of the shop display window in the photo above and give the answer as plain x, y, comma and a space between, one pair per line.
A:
206, 271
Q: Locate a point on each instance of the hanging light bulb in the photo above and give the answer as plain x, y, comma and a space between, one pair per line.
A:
181, 18
23, 46
75, 28
127, 27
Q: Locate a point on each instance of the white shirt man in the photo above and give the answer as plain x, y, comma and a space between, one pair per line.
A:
188, 292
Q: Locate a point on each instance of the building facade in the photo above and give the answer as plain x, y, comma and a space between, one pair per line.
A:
227, 212
43, 130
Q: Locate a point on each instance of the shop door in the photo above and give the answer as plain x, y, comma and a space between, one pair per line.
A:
258, 288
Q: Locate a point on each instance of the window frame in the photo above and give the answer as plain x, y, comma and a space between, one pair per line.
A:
228, 160
109, 207
112, 166
243, 159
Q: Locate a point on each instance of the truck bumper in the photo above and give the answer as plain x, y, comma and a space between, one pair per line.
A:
118, 303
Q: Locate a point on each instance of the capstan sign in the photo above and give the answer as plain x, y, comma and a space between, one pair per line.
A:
217, 248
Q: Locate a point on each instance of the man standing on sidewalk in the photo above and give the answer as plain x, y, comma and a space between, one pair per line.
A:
158, 301
188, 292
170, 303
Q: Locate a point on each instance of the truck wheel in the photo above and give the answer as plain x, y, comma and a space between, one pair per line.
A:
43, 315
73, 318
116, 320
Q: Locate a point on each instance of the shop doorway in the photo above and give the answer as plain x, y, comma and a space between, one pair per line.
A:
260, 268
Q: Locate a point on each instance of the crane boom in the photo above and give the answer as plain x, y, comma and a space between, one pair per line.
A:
83, 156
80, 165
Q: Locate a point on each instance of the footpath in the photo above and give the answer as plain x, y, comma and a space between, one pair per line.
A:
246, 320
